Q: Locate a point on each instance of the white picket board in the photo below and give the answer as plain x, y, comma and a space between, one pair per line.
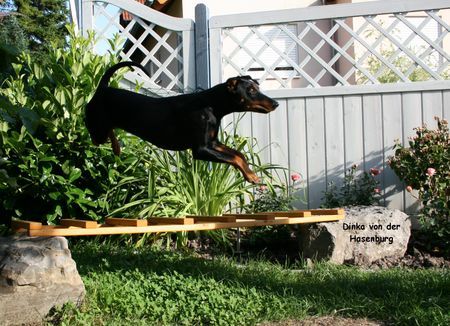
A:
353, 131
315, 135
279, 135
446, 104
334, 136
373, 132
392, 130
412, 118
432, 107
298, 153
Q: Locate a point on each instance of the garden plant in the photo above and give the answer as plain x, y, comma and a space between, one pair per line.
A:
424, 166
356, 189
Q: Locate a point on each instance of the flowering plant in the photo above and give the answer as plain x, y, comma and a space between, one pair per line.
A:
272, 198
425, 167
356, 189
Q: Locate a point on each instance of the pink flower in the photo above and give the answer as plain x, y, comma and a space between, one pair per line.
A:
295, 177
409, 189
377, 190
262, 188
431, 172
375, 171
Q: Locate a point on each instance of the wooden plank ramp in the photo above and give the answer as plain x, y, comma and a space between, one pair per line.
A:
114, 225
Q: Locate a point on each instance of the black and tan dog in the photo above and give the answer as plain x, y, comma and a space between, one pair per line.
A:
178, 122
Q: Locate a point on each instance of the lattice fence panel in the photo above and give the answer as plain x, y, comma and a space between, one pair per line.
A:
159, 49
372, 49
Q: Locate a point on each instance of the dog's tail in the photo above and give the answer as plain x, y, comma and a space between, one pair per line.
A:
110, 72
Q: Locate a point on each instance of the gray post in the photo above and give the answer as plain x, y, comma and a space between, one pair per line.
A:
202, 72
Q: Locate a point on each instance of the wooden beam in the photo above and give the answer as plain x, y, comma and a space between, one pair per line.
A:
79, 223
170, 220
125, 221
256, 216
293, 213
212, 219
337, 211
28, 225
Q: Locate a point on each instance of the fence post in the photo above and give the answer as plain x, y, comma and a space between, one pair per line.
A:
87, 16
202, 70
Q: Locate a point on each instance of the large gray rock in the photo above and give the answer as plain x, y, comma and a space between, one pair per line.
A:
36, 274
366, 234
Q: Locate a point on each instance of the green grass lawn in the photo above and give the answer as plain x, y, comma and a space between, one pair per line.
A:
146, 287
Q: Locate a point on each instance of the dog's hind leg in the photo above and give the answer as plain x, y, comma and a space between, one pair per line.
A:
114, 142
97, 124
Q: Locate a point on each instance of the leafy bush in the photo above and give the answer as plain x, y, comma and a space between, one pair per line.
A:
356, 189
49, 168
277, 197
425, 166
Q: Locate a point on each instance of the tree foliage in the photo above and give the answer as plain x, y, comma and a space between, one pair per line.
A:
42, 21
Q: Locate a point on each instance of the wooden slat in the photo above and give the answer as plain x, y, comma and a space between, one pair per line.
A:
57, 231
337, 211
256, 216
292, 214
28, 225
125, 221
212, 219
170, 220
79, 223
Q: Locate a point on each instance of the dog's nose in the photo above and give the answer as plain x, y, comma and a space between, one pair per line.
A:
275, 104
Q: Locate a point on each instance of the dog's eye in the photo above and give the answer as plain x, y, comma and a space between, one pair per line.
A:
252, 90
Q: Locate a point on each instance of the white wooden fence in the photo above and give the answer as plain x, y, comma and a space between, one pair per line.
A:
351, 79
336, 107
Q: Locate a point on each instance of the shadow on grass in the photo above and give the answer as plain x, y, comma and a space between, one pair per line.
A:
401, 296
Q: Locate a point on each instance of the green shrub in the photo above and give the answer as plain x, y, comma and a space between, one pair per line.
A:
356, 189
425, 166
49, 168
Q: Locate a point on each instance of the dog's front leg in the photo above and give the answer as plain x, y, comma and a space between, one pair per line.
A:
223, 154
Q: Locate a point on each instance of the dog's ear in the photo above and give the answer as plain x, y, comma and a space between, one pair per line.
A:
232, 84
247, 77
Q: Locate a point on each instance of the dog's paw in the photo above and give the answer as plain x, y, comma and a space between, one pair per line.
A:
252, 178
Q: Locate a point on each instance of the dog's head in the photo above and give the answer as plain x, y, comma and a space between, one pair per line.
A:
247, 96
